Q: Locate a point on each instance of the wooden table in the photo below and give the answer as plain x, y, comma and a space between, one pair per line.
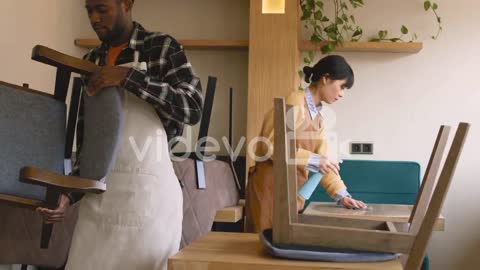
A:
396, 213
235, 251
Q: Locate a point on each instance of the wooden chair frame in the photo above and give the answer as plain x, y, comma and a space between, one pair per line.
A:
56, 183
290, 228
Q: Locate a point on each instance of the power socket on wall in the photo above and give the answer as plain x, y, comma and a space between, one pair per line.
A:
361, 148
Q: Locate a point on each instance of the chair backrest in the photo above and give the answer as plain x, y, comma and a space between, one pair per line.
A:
37, 145
429, 180
103, 121
201, 206
32, 132
284, 167
424, 218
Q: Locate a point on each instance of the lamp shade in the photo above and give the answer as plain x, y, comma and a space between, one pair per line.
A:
273, 6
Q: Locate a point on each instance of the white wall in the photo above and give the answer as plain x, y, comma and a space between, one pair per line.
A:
24, 24
400, 100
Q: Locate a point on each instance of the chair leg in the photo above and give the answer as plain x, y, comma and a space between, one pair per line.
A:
24, 267
46, 235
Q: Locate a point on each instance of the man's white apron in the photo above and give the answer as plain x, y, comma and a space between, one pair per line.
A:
137, 222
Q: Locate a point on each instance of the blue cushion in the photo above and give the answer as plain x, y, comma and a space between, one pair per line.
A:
32, 133
321, 254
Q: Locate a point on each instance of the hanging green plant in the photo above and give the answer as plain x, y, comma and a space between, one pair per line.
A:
343, 26
335, 31
382, 36
427, 5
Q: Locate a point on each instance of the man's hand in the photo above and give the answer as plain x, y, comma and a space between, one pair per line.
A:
107, 76
57, 215
350, 203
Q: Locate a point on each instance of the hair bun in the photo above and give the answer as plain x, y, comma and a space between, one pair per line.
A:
308, 71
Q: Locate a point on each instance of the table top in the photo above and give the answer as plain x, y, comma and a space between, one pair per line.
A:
235, 251
385, 212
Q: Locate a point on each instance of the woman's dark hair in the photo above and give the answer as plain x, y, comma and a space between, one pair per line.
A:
333, 66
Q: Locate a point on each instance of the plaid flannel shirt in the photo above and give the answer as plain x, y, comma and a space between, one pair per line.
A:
168, 84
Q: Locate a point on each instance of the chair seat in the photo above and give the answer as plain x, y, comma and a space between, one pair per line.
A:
321, 254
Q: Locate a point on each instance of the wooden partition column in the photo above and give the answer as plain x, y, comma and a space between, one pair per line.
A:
273, 61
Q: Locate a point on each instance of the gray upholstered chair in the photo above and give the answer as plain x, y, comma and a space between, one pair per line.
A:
207, 186
37, 143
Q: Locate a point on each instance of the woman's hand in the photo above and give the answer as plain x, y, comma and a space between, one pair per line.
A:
55, 215
351, 203
327, 166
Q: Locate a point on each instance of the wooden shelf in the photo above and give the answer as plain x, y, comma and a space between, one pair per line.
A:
305, 45
384, 47
230, 214
214, 44
87, 43
188, 44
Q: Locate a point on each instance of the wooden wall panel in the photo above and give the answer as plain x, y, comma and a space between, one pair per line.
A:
273, 61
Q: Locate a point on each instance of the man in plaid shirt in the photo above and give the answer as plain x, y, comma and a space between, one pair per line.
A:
167, 82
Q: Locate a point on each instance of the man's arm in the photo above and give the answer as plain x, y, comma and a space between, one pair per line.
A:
169, 85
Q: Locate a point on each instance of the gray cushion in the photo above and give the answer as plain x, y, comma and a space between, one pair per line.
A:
32, 133
321, 254
102, 128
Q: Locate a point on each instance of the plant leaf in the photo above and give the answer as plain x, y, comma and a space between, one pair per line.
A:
332, 36
330, 28
382, 34
352, 18
311, 4
328, 48
404, 30
427, 5
315, 38
319, 4
434, 6
357, 32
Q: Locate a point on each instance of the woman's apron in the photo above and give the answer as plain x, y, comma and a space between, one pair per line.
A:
137, 222
259, 194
